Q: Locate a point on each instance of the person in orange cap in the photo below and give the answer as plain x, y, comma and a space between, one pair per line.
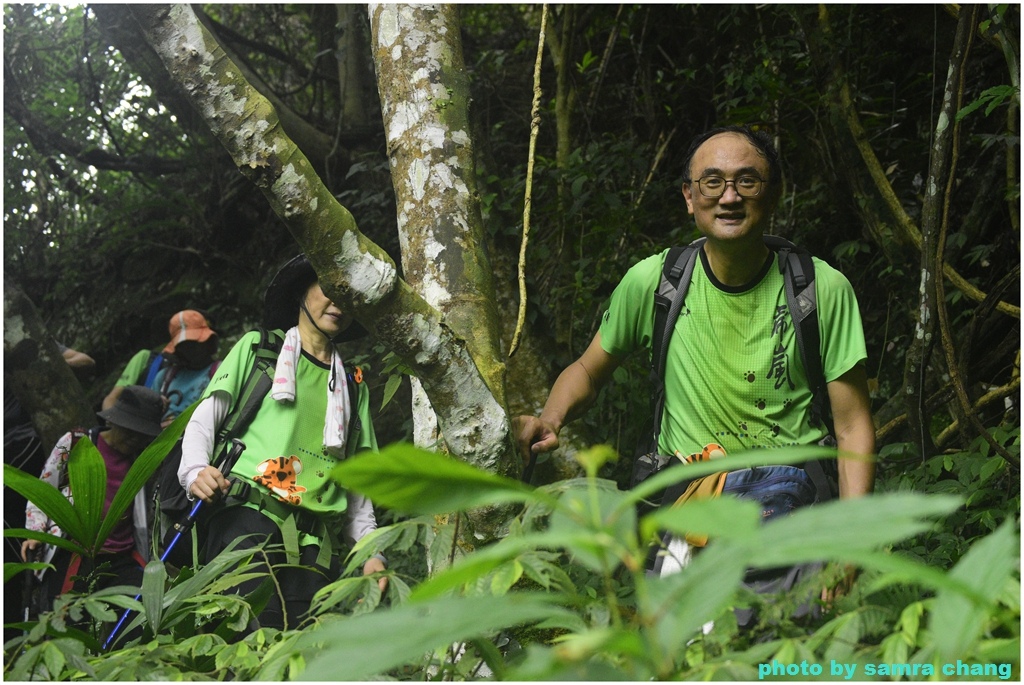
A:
181, 371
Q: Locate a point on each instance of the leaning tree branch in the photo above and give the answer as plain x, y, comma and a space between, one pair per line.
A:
354, 272
313, 142
994, 395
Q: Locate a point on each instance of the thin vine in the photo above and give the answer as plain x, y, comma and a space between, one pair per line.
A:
528, 196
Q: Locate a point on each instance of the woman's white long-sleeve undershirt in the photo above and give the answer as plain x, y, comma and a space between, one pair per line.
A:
198, 443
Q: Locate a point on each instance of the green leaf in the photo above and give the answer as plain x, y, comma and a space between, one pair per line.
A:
718, 518
154, 579
353, 649
390, 388
87, 474
992, 465
415, 481
607, 537
957, 620
13, 570
505, 577
838, 530
47, 498
676, 606
46, 538
472, 567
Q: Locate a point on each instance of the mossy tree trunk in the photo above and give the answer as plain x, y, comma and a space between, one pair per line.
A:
424, 95
35, 371
354, 272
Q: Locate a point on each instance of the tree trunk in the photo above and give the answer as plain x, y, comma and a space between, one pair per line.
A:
352, 51
35, 370
424, 95
937, 187
354, 272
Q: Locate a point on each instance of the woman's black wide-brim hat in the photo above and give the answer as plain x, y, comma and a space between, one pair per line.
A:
285, 292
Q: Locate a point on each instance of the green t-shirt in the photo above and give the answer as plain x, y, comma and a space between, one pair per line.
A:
734, 377
287, 437
138, 366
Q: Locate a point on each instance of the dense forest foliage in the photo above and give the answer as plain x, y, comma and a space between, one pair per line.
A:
898, 127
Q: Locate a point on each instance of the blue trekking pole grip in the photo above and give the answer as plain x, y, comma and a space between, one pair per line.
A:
182, 527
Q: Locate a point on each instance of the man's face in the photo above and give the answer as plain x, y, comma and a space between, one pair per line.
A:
730, 217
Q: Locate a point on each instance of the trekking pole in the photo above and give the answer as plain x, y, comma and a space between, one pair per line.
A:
182, 527
527, 476
26, 598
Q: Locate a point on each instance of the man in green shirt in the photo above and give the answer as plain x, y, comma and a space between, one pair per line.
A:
734, 379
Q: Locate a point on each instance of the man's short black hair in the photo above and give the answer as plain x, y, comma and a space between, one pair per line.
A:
761, 141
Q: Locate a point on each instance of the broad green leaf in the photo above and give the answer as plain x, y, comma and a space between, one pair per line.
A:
836, 530
901, 570
154, 580
675, 607
385, 538
13, 570
609, 531
415, 481
505, 577
353, 649
471, 568
718, 517
46, 538
390, 388
957, 621
47, 498
87, 474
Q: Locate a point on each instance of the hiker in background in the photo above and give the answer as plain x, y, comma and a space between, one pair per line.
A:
181, 371
734, 379
130, 426
24, 450
81, 363
312, 418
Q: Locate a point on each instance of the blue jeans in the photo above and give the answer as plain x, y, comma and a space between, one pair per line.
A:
779, 489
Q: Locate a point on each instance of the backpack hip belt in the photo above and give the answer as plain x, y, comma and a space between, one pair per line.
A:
303, 520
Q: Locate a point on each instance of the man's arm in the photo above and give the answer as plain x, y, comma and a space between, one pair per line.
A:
573, 392
78, 360
855, 432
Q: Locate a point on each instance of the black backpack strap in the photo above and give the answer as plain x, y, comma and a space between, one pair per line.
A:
668, 303
797, 267
255, 388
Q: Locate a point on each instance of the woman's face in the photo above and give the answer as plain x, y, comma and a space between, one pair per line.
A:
324, 313
130, 443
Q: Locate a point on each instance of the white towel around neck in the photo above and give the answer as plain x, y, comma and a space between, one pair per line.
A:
338, 410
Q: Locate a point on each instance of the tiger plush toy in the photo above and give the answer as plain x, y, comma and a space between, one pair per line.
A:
280, 476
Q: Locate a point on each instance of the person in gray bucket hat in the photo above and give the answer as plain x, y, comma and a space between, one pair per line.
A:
129, 427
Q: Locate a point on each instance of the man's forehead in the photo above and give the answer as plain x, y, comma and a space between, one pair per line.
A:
729, 146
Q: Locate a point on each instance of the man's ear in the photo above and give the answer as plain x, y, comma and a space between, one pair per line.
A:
688, 194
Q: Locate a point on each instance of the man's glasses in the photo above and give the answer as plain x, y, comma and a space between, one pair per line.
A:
714, 186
